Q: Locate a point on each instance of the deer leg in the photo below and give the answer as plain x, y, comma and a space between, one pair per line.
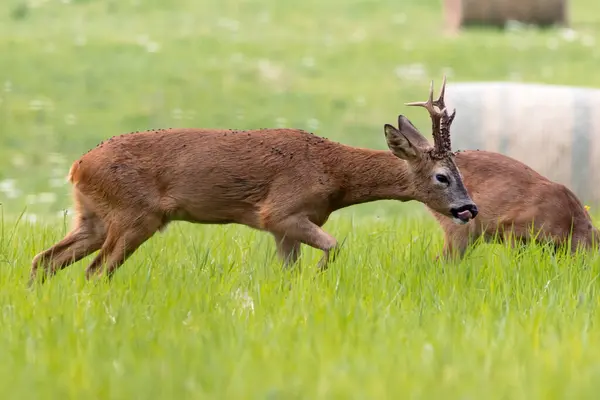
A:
82, 241
301, 229
577, 243
121, 243
288, 249
455, 245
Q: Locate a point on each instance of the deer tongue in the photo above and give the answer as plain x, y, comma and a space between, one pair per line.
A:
464, 216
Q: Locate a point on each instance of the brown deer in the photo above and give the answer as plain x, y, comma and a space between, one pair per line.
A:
516, 204
283, 181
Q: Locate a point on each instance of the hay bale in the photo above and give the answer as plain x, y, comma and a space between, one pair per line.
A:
460, 13
553, 129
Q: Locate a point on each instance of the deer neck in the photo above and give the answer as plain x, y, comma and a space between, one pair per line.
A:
371, 175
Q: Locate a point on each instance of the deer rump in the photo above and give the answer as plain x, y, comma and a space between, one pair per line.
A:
516, 204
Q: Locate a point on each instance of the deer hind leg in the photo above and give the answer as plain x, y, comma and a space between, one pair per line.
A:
301, 229
123, 239
583, 241
288, 249
85, 238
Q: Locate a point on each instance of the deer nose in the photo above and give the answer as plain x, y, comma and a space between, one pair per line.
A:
465, 213
473, 209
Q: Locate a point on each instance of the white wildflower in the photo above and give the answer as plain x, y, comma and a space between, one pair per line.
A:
177, 113
411, 71
9, 188
264, 17
229, 24
18, 160
246, 301
588, 41
36, 104
80, 40
399, 19
30, 218
46, 197
569, 34
313, 124
358, 35
308, 62
70, 119
152, 47
427, 353
281, 122
268, 70
514, 26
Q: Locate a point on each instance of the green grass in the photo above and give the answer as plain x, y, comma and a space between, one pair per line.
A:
385, 321
208, 313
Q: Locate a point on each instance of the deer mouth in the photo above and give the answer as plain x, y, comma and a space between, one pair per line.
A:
464, 214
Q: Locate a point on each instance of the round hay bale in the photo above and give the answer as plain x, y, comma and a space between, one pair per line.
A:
553, 129
460, 13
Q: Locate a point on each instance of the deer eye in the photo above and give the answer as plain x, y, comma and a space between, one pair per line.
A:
442, 179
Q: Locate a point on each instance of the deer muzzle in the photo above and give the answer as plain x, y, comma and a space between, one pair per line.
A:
464, 214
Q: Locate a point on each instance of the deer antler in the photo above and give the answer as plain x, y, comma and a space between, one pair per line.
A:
440, 120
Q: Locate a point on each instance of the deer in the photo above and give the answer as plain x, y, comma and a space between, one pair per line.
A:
282, 181
517, 205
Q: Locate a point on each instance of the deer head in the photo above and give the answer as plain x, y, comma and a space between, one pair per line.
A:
437, 182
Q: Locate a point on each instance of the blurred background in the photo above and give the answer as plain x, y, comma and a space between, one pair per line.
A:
76, 72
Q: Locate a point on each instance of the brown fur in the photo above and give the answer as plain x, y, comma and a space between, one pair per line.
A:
512, 199
283, 181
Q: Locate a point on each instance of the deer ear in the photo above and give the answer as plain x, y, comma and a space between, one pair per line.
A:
400, 145
411, 133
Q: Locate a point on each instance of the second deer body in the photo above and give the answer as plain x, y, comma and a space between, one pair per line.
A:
516, 204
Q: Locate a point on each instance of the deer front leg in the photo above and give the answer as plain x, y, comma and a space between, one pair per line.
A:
455, 245
287, 249
301, 229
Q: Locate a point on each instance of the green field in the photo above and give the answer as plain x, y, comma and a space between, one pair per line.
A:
207, 312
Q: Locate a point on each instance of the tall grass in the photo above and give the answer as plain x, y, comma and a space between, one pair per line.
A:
209, 313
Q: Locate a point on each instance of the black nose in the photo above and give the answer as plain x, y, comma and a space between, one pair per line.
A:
472, 208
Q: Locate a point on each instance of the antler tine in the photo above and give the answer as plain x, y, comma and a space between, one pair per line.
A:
440, 120
440, 100
451, 117
428, 105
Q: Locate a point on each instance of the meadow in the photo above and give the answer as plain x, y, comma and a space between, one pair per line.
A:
207, 312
